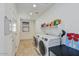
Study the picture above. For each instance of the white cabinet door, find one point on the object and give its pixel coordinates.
(13, 45)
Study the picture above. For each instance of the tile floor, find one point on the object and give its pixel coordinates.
(27, 48)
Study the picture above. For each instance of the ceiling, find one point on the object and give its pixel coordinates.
(28, 9)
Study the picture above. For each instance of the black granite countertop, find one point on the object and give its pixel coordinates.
(64, 50)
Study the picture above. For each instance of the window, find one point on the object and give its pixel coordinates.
(25, 26)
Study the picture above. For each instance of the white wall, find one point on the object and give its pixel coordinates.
(30, 34)
(69, 13)
(12, 40)
(26, 35)
(2, 40)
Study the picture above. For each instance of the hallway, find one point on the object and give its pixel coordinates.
(27, 48)
(21, 22)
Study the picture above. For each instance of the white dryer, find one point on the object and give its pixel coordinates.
(37, 38)
(47, 41)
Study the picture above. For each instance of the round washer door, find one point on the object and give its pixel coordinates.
(42, 48)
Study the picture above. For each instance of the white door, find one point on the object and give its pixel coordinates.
(13, 44)
(14, 34)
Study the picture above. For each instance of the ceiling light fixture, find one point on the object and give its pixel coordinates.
(34, 5)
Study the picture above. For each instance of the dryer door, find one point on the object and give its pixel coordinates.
(42, 48)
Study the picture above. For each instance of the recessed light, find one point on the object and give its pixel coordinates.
(34, 5)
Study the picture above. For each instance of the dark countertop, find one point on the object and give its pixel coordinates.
(64, 50)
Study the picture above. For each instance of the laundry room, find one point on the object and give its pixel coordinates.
(63, 17)
(39, 29)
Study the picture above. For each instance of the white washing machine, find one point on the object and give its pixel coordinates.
(47, 41)
(37, 38)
